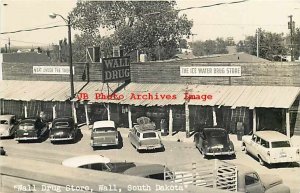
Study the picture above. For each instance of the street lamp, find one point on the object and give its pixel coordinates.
(68, 22)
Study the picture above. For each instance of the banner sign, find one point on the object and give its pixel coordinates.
(116, 69)
(52, 70)
(211, 71)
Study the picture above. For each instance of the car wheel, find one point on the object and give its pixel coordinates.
(261, 162)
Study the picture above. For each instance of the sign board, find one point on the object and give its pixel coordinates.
(52, 70)
(210, 71)
(116, 69)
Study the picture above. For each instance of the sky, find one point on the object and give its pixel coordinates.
(235, 20)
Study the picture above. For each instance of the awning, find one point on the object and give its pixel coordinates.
(145, 94)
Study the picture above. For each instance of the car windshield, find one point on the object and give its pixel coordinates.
(216, 134)
(61, 124)
(149, 135)
(105, 129)
(4, 122)
(26, 126)
(278, 144)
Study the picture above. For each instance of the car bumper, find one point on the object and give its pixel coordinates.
(93, 144)
(282, 160)
(150, 147)
(25, 138)
(220, 153)
(61, 139)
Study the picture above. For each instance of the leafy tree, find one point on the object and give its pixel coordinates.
(270, 44)
(209, 47)
(143, 25)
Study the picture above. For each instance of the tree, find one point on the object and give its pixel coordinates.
(270, 44)
(142, 25)
(209, 47)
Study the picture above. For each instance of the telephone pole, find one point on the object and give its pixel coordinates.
(291, 25)
(257, 42)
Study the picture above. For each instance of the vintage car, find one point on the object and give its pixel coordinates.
(213, 142)
(63, 129)
(31, 129)
(97, 162)
(271, 147)
(8, 125)
(250, 181)
(145, 138)
(104, 133)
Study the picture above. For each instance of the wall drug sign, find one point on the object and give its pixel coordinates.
(116, 69)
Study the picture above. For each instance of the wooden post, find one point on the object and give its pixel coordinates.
(25, 111)
(287, 121)
(53, 112)
(214, 116)
(129, 117)
(254, 120)
(108, 111)
(170, 121)
(187, 119)
(86, 114)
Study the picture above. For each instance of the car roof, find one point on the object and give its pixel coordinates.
(99, 124)
(271, 135)
(6, 117)
(145, 170)
(78, 161)
(144, 129)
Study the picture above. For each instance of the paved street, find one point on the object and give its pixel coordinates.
(175, 153)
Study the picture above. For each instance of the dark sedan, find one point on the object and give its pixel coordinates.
(63, 129)
(31, 129)
(213, 142)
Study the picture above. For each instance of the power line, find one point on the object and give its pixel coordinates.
(12, 40)
(33, 29)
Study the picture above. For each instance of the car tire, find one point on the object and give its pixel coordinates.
(261, 162)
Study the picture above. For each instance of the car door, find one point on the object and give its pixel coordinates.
(250, 146)
(253, 183)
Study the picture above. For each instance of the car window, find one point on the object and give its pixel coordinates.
(61, 124)
(251, 178)
(149, 135)
(138, 134)
(216, 134)
(258, 140)
(254, 138)
(4, 122)
(264, 143)
(277, 144)
(104, 129)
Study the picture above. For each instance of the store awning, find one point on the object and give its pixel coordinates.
(144, 94)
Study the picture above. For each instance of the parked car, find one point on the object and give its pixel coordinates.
(145, 139)
(31, 129)
(8, 125)
(213, 142)
(104, 133)
(97, 162)
(271, 147)
(251, 182)
(63, 129)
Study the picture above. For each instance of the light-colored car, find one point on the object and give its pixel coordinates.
(271, 147)
(104, 133)
(7, 125)
(145, 139)
(97, 162)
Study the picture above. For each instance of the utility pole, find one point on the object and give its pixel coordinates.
(257, 42)
(291, 25)
(9, 45)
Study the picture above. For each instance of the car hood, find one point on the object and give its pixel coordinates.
(270, 181)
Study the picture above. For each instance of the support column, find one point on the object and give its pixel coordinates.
(170, 121)
(53, 112)
(108, 111)
(129, 117)
(187, 119)
(25, 111)
(287, 121)
(74, 114)
(214, 116)
(87, 120)
(254, 120)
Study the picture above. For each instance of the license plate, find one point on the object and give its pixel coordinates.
(282, 155)
(218, 146)
(25, 134)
